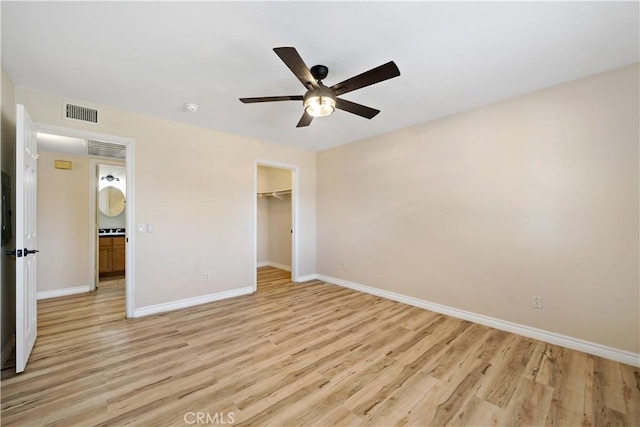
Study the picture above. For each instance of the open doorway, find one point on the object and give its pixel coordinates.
(111, 223)
(276, 217)
(83, 152)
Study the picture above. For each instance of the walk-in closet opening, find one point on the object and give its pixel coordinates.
(275, 215)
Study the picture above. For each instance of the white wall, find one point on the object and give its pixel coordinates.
(537, 195)
(64, 223)
(197, 186)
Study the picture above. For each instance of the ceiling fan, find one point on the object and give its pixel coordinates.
(320, 100)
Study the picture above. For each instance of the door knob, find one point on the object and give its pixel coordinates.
(30, 251)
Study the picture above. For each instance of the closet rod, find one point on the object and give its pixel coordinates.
(275, 193)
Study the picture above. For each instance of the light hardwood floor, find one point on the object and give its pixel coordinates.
(305, 354)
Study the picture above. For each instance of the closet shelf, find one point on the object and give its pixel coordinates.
(277, 194)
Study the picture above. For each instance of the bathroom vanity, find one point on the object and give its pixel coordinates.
(111, 252)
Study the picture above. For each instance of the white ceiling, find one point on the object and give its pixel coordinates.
(152, 57)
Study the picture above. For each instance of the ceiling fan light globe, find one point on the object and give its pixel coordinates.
(319, 106)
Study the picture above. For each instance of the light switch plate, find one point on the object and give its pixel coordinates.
(140, 227)
(151, 227)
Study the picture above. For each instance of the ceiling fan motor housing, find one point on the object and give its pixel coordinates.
(319, 72)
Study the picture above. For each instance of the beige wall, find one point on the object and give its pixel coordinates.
(279, 179)
(280, 230)
(280, 217)
(64, 223)
(263, 179)
(263, 230)
(537, 195)
(263, 215)
(8, 137)
(197, 186)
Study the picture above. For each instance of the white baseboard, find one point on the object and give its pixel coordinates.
(278, 265)
(306, 278)
(273, 264)
(6, 351)
(615, 354)
(190, 302)
(62, 292)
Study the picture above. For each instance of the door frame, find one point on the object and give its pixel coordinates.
(129, 208)
(94, 166)
(295, 241)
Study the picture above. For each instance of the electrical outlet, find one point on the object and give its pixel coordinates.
(207, 276)
(536, 301)
(344, 265)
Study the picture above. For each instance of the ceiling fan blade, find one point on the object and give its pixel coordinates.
(292, 59)
(305, 120)
(358, 109)
(272, 99)
(373, 76)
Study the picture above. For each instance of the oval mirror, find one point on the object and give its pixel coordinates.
(111, 201)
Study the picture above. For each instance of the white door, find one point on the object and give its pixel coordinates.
(26, 237)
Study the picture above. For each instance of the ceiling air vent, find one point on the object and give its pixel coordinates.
(77, 112)
(106, 149)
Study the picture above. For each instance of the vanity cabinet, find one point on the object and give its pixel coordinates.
(111, 255)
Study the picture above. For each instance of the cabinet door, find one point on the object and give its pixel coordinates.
(118, 254)
(105, 264)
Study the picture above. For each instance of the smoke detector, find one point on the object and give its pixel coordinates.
(192, 108)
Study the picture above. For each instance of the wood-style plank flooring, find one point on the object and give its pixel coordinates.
(302, 354)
